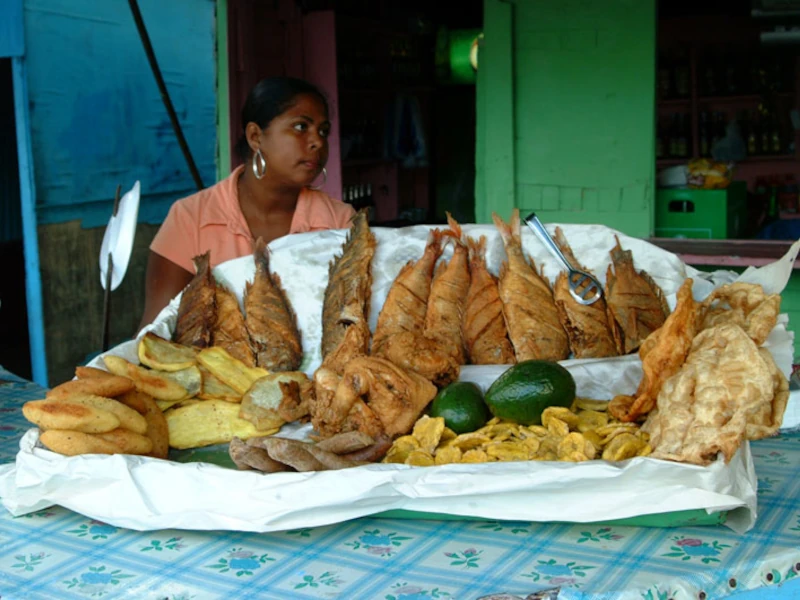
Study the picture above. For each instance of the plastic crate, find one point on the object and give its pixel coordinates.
(703, 214)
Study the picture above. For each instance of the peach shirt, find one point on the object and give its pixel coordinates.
(212, 220)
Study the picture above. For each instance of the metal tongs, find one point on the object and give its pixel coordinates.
(584, 287)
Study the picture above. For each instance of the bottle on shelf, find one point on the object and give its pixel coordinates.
(681, 74)
(718, 129)
(731, 77)
(704, 136)
(765, 141)
(661, 142)
(664, 77)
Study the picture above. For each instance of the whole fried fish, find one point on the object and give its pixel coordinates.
(406, 303)
(485, 332)
(636, 305)
(446, 300)
(348, 293)
(529, 309)
(586, 325)
(270, 319)
(230, 331)
(198, 307)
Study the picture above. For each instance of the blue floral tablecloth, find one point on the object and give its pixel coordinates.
(55, 553)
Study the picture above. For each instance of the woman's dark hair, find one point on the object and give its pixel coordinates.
(269, 98)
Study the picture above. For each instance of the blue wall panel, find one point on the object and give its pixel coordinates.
(97, 118)
(11, 31)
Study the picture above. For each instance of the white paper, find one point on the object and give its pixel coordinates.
(143, 493)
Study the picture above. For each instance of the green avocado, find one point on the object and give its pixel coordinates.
(523, 392)
(461, 406)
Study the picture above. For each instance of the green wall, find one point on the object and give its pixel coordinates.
(565, 106)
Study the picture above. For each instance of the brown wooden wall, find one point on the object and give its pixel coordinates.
(73, 297)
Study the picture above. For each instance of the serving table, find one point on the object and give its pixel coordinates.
(56, 553)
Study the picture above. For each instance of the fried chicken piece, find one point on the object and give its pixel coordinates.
(529, 308)
(422, 355)
(230, 331)
(636, 305)
(197, 311)
(586, 325)
(708, 405)
(374, 396)
(270, 319)
(745, 304)
(662, 353)
(446, 300)
(485, 332)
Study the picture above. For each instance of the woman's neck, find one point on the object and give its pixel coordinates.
(267, 207)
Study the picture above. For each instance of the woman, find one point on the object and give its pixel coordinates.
(284, 147)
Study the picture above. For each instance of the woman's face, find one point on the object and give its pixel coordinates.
(295, 144)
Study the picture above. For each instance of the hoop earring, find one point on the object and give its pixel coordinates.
(324, 181)
(259, 164)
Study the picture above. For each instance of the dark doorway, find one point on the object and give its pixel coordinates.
(14, 343)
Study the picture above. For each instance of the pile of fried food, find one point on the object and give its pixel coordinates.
(580, 433)
(99, 413)
(231, 373)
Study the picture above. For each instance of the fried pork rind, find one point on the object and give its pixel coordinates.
(705, 408)
(768, 419)
(746, 305)
(662, 354)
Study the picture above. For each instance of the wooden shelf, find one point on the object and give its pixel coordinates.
(769, 158)
(366, 162)
(669, 162)
(744, 98)
(675, 102)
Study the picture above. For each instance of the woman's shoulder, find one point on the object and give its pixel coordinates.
(210, 204)
(322, 211)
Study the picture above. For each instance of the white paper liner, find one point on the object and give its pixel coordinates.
(145, 494)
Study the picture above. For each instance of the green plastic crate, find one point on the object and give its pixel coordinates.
(703, 214)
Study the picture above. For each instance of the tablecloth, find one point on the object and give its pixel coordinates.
(55, 553)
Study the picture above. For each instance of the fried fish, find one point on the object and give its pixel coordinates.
(230, 331)
(197, 311)
(485, 332)
(529, 308)
(446, 300)
(636, 305)
(347, 295)
(586, 325)
(270, 320)
(406, 303)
